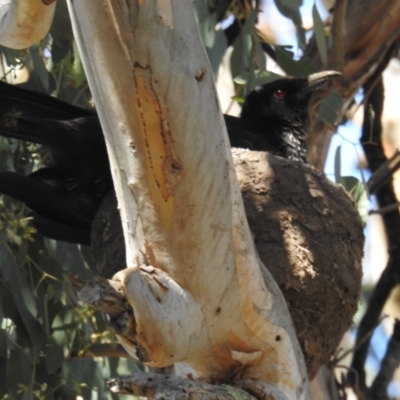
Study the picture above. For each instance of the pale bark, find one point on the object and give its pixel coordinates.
(24, 22)
(200, 298)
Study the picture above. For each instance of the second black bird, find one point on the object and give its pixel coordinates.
(65, 195)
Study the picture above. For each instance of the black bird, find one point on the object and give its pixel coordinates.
(275, 116)
(65, 195)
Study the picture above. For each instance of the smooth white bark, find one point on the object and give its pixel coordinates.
(202, 299)
(24, 22)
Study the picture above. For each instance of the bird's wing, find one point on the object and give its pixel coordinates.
(38, 105)
(18, 106)
(248, 135)
(56, 231)
(42, 199)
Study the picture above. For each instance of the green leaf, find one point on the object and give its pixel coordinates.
(54, 356)
(261, 57)
(39, 66)
(338, 163)
(19, 370)
(329, 108)
(26, 306)
(364, 182)
(359, 194)
(319, 31)
(263, 77)
(3, 362)
(216, 52)
(259, 77)
(61, 32)
(291, 9)
(7, 262)
(292, 67)
(214, 40)
(249, 25)
(69, 256)
(241, 54)
(239, 99)
(207, 29)
(14, 58)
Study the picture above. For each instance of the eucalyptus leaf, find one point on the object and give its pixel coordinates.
(22, 296)
(239, 99)
(40, 67)
(291, 10)
(338, 163)
(54, 356)
(259, 77)
(249, 25)
(241, 54)
(330, 107)
(261, 57)
(7, 261)
(216, 52)
(61, 32)
(19, 370)
(358, 192)
(319, 32)
(207, 30)
(292, 67)
(69, 256)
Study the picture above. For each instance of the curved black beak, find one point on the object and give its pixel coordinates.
(314, 81)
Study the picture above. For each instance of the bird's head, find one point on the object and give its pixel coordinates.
(284, 99)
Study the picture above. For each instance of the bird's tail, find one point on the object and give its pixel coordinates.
(18, 106)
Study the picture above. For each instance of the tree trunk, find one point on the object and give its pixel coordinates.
(194, 283)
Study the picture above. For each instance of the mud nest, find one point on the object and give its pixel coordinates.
(307, 233)
(310, 237)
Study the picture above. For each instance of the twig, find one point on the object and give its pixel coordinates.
(157, 386)
(386, 209)
(337, 359)
(100, 350)
(387, 281)
(372, 129)
(384, 173)
(103, 295)
(390, 362)
(107, 296)
(338, 29)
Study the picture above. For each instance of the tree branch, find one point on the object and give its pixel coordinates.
(384, 173)
(157, 386)
(368, 47)
(100, 350)
(390, 362)
(24, 22)
(338, 31)
(371, 141)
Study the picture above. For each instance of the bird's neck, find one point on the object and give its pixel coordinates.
(293, 143)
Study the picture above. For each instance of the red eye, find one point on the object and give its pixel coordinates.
(279, 94)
